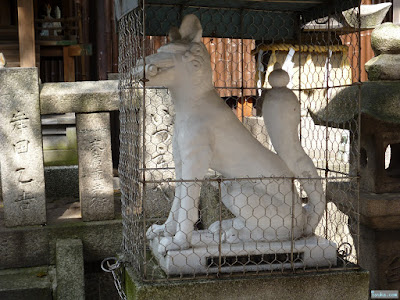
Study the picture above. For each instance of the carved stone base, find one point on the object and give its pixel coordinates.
(203, 257)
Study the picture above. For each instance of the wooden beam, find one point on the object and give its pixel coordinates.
(26, 34)
(80, 50)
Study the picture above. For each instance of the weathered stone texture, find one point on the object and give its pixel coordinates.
(62, 181)
(70, 271)
(379, 99)
(35, 246)
(85, 96)
(334, 285)
(159, 123)
(21, 148)
(384, 67)
(95, 166)
(26, 283)
(386, 39)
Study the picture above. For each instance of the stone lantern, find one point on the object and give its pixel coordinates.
(378, 166)
(380, 137)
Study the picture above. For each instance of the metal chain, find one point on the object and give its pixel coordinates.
(112, 265)
(344, 249)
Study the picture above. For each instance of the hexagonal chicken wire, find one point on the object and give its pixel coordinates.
(244, 39)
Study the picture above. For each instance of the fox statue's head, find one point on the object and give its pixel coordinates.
(183, 62)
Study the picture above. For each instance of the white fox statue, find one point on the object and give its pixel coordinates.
(208, 135)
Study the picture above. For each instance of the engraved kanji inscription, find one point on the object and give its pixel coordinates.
(96, 146)
(23, 178)
(19, 121)
(24, 200)
(21, 146)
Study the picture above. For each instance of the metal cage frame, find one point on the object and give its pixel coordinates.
(138, 176)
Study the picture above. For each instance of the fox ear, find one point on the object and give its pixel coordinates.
(174, 34)
(191, 29)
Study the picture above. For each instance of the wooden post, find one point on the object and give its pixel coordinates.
(69, 65)
(26, 33)
(101, 51)
(69, 54)
(396, 11)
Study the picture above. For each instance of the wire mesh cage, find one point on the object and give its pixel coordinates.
(255, 204)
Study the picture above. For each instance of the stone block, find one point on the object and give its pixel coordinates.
(85, 96)
(26, 283)
(23, 247)
(70, 270)
(95, 166)
(384, 67)
(368, 260)
(35, 246)
(380, 211)
(61, 181)
(158, 158)
(386, 39)
(113, 76)
(158, 133)
(328, 286)
(21, 148)
(377, 211)
(369, 17)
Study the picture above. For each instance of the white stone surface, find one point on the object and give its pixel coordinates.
(21, 149)
(96, 190)
(208, 135)
(281, 111)
(367, 16)
(316, 252)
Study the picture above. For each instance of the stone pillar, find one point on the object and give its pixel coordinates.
(21, 148)
(70, 270)
(95, 166)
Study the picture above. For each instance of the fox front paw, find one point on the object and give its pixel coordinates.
(154, 231)
(177, 242)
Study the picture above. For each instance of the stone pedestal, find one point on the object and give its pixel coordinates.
(328, 286)
(95, 166)
(204, 256)
(21, 148)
